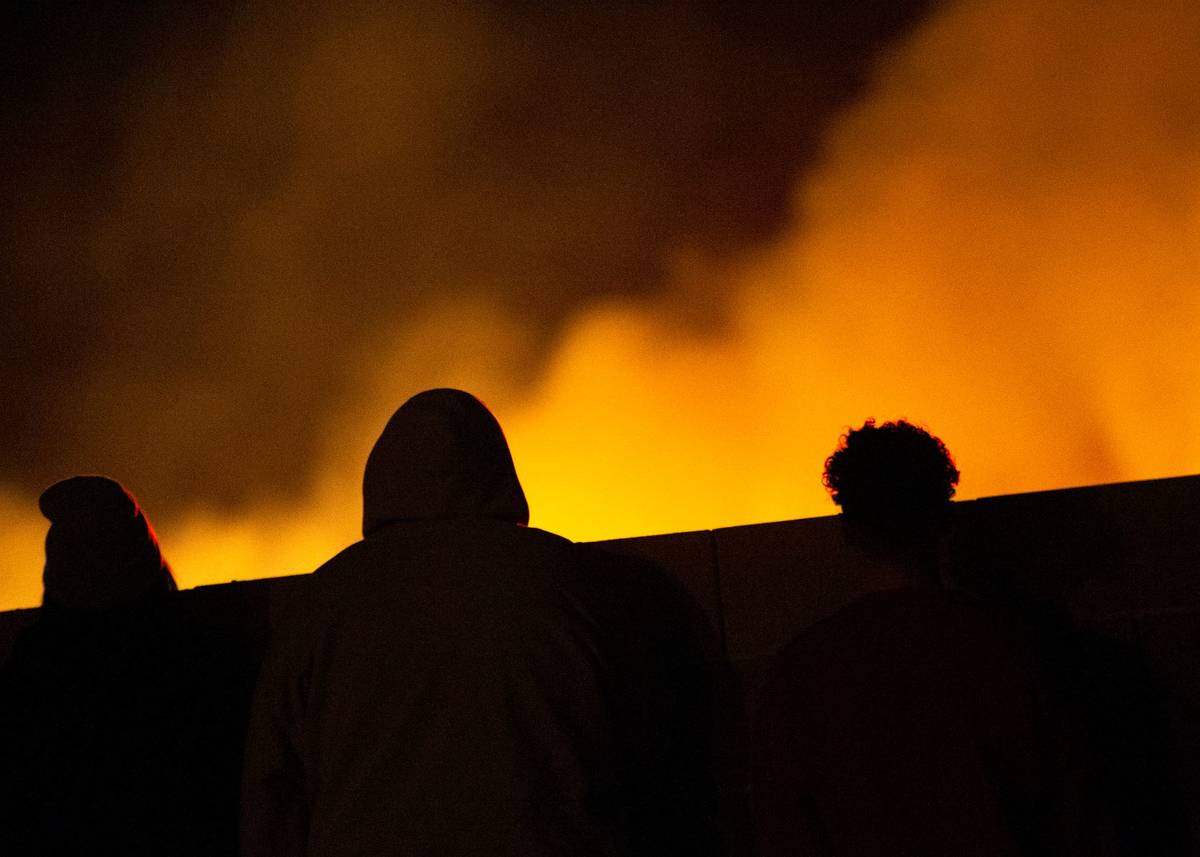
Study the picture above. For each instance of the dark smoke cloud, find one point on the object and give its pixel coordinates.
(214, 214)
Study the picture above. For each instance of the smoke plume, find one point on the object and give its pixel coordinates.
(585, 219)
(1002, 242)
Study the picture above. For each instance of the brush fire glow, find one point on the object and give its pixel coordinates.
(1001, 241)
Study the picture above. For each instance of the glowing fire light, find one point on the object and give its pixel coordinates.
(1003, 243)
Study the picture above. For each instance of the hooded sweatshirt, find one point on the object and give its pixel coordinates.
(459, 683)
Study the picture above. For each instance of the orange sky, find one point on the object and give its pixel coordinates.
(1002, 242)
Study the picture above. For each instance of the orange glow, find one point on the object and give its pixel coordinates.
(1002, 243)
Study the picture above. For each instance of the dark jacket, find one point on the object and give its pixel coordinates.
(912, 722)
(459, 683)
(119, 722)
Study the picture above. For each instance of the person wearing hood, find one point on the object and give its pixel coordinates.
(109, 741)
(458, 682)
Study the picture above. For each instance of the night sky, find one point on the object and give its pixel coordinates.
(213, 210)
(677, 248)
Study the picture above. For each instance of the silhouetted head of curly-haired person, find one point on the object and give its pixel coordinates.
(894, 483)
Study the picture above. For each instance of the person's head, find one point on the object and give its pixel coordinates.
(441, 455)
(101, 552)
(894, 483)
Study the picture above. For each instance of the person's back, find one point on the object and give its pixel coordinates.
(110, 741)
(905, 724)
(456, 682)
(909, 722)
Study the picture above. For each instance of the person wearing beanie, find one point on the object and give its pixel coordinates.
(101, 552)
(115, 715)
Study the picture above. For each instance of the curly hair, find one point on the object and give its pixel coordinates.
(895, 479)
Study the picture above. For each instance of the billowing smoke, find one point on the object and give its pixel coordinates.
(1003, 241)
(220, 222)
(581, 216)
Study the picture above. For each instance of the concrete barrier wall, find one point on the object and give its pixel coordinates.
(1123, 559)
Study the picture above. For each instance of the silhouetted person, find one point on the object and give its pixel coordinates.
(106, 740)
(459, 683)
(1130, 759)
(1129, 763)
(911, 721)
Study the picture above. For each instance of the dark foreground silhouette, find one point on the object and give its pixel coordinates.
(120, 725)
(911, 722)
(460, 683)
(122, 709)
(1129, 763)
